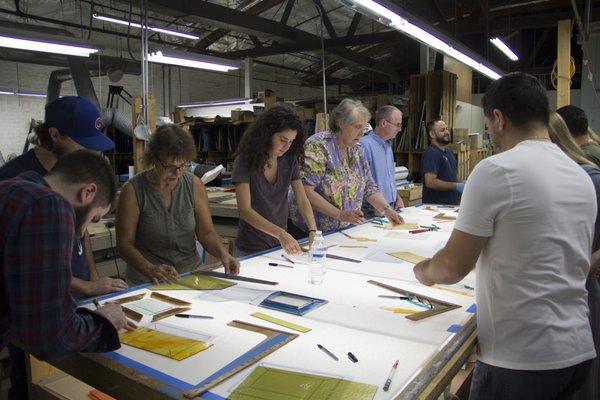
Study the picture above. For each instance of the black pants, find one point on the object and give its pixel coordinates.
(490, 382)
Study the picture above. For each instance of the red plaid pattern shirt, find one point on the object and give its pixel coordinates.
(36, 243)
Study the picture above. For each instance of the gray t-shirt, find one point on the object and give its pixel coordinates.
(269, 200)
(165, 236)
(592, 152)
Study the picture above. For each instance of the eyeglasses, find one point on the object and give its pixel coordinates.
(171, 168)
(398, 125)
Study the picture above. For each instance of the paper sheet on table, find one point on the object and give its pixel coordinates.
(196, 282)
(408, 256)
(148, 306)
(274, 384)
(172, 346)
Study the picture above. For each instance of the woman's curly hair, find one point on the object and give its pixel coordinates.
(256, 142)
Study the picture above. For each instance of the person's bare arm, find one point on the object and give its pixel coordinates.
(432, 182)
(452, 263)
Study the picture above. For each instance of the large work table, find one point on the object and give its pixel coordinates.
(355, 319)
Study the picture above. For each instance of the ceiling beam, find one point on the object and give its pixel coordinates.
(438, 14)
(326, 21)
(354, 24)
(216, 35)
(287, 11)
(239, 21)
(539, 42)
(508, 24)
(308, 45)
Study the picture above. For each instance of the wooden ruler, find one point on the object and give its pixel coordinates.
(275, 340)
(437, 306)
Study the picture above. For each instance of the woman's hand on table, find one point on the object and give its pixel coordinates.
(288, 243)
(354, 217)
(393, 216)
(163, 273)
(231, 264)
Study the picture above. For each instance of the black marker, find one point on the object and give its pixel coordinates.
(330, 354)
(194, 316)
(352, 357)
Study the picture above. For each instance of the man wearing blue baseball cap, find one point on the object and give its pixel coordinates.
(71, 123)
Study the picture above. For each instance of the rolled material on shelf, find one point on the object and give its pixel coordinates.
(400, 174)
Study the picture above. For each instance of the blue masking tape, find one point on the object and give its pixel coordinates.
(173, 386)
(454, 328)
(472, 309)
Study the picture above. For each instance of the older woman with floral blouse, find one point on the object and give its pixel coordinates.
(336, 174)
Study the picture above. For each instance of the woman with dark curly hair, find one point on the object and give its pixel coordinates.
(163, 210)
(266, 164)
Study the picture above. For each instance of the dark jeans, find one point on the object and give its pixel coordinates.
(497, 383)
(18, 374)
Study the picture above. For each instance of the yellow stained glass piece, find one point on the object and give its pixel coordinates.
(195, 282)
(172, 346)
(408, 256)
(276, 384)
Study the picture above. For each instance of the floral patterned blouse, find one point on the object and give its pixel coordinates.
(342, 181)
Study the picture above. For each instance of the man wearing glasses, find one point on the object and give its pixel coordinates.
(377, 146)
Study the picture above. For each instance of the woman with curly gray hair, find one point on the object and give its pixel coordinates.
(336, 175)
(163, 210)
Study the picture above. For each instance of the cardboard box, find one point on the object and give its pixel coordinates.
(271, 101)
(414, 193)
(475, 140)
(242, 116)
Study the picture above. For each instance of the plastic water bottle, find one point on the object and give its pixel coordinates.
(317, 259)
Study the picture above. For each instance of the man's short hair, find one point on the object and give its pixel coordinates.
(84, 166)
(575, 119)
(385, 113)
(520, 97)
(431, 124)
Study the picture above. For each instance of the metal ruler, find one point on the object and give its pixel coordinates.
(437, 306)
(275, 339)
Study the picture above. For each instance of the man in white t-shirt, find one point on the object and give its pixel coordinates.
(526, 222)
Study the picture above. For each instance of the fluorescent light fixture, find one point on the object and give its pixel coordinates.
(228, 102)
(504, 48)
(45, 46)
(392, 19)
(152, 28)
(192, 61)
(25, 94)
(30, 94)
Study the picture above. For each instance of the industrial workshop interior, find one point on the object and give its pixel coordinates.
(300, 199)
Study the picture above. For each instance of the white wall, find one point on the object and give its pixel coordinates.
(185, 86)
(469, 117)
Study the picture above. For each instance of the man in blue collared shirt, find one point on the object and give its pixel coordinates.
(377, 146)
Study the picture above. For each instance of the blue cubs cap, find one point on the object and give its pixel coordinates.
(80, 119)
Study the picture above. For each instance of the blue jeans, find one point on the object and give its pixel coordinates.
(497, 383)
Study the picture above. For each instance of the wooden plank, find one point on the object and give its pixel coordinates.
(138, 145)
(563, 89)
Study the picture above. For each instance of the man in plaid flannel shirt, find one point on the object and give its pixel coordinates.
(40, 219)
